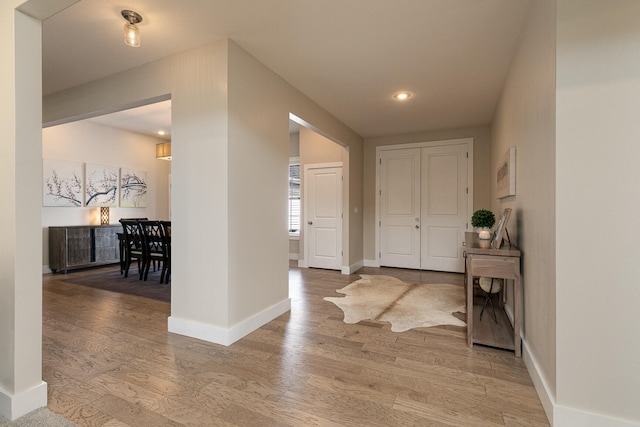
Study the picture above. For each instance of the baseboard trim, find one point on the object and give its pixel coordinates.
(13, 407)
(227, 336)
(294, 257)
(571, 417)
(353, 267)
(563, 416)
(539, 382)
(371, 263)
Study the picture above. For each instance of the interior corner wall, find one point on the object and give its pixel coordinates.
(481, 172)
(598, 183)
(525, 119)
(86, 142)
(259, 147)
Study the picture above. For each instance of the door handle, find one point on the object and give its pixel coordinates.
(310, 222)
(417, 226)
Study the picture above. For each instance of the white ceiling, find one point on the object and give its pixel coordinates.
(350, 56)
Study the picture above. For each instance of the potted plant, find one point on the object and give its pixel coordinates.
(483, 220)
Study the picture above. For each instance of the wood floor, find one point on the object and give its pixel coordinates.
(109, 361)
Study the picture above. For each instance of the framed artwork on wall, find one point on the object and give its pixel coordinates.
(506, 174)
(133, 188)
(62, 183)
(101, 185)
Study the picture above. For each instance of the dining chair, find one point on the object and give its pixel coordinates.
(123, 243)
(166, 226)
(132, 245)
(153, 248)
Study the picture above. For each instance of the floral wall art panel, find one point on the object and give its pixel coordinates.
(101, 185)
(133, 188)
(62, 183)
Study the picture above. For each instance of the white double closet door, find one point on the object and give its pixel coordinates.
(423, 206)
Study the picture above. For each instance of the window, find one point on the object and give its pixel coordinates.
(294, 197)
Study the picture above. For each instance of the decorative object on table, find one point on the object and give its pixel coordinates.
(506, 174)
(104, 215)
(502, 229)
(62, 183)
(483, 220)
(404, 305)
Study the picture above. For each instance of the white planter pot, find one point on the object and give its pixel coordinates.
(484, 233)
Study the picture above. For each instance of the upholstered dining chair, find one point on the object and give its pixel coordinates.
(132, 245)
(490, 286)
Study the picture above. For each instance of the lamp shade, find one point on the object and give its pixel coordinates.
(131, 35)
(163, 151)
(131, 31)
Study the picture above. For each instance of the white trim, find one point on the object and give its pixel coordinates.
(468, 141)
(371, 263)
(13, 407)
(563, 416)
(571, 417)
(353, 267)
(224, 336)
(293, 257)
(544, 392)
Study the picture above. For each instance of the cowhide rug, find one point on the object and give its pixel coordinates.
(404, 305)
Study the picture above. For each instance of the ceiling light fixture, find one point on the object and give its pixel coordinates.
(163, 151)
(131, 31)
(402, 96)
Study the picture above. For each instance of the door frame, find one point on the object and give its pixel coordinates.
(304, 262)
(445, 142)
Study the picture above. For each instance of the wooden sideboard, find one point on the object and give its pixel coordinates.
(83, 246)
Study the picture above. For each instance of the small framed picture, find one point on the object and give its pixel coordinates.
(501, 229)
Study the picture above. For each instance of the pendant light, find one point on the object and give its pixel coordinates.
(131, 31)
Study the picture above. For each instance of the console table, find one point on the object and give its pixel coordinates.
(83, 246)
(481, 259)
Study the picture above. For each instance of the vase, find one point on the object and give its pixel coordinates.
(484, 233)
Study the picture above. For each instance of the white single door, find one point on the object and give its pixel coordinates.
(323, 203)
(444, 207)
(400, 208)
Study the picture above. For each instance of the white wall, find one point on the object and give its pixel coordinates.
(21, 387)
(86, 142)
(525, 119)
(597, 209)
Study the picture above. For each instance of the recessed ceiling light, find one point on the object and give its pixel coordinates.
(161, 132)
(402, 96)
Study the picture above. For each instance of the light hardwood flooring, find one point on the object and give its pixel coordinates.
(109, 361)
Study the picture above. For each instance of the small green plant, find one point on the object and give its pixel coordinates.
(483, 218)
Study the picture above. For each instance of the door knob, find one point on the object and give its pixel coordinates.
(310, 222)
(417, 226)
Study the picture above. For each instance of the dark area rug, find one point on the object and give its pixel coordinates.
(110, 279)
